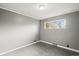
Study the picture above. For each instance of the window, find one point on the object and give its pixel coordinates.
(55, 24)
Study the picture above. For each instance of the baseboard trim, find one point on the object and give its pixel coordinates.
(17, 48)
(46, 42)
(71, 49)
(37, 42)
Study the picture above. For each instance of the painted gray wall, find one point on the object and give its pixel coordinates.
(63, 37)
(16, 30)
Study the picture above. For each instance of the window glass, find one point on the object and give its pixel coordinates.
(55, 24)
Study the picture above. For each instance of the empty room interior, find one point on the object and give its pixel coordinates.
(39, 29)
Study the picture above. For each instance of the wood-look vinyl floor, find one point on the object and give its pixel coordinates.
(42, 49)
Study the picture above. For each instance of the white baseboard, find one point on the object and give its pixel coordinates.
(18, 48)
(46, 42)
(60, 46)
(71, 49)
(37, 42)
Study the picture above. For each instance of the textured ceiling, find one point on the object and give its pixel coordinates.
(32, 10)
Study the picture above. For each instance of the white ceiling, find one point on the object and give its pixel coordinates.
(32, 10)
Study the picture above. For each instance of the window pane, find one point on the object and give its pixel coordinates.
(55, 24)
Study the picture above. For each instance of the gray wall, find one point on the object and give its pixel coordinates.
(16, 30)
(63, 37)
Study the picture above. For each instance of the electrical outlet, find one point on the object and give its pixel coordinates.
(67, 45)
